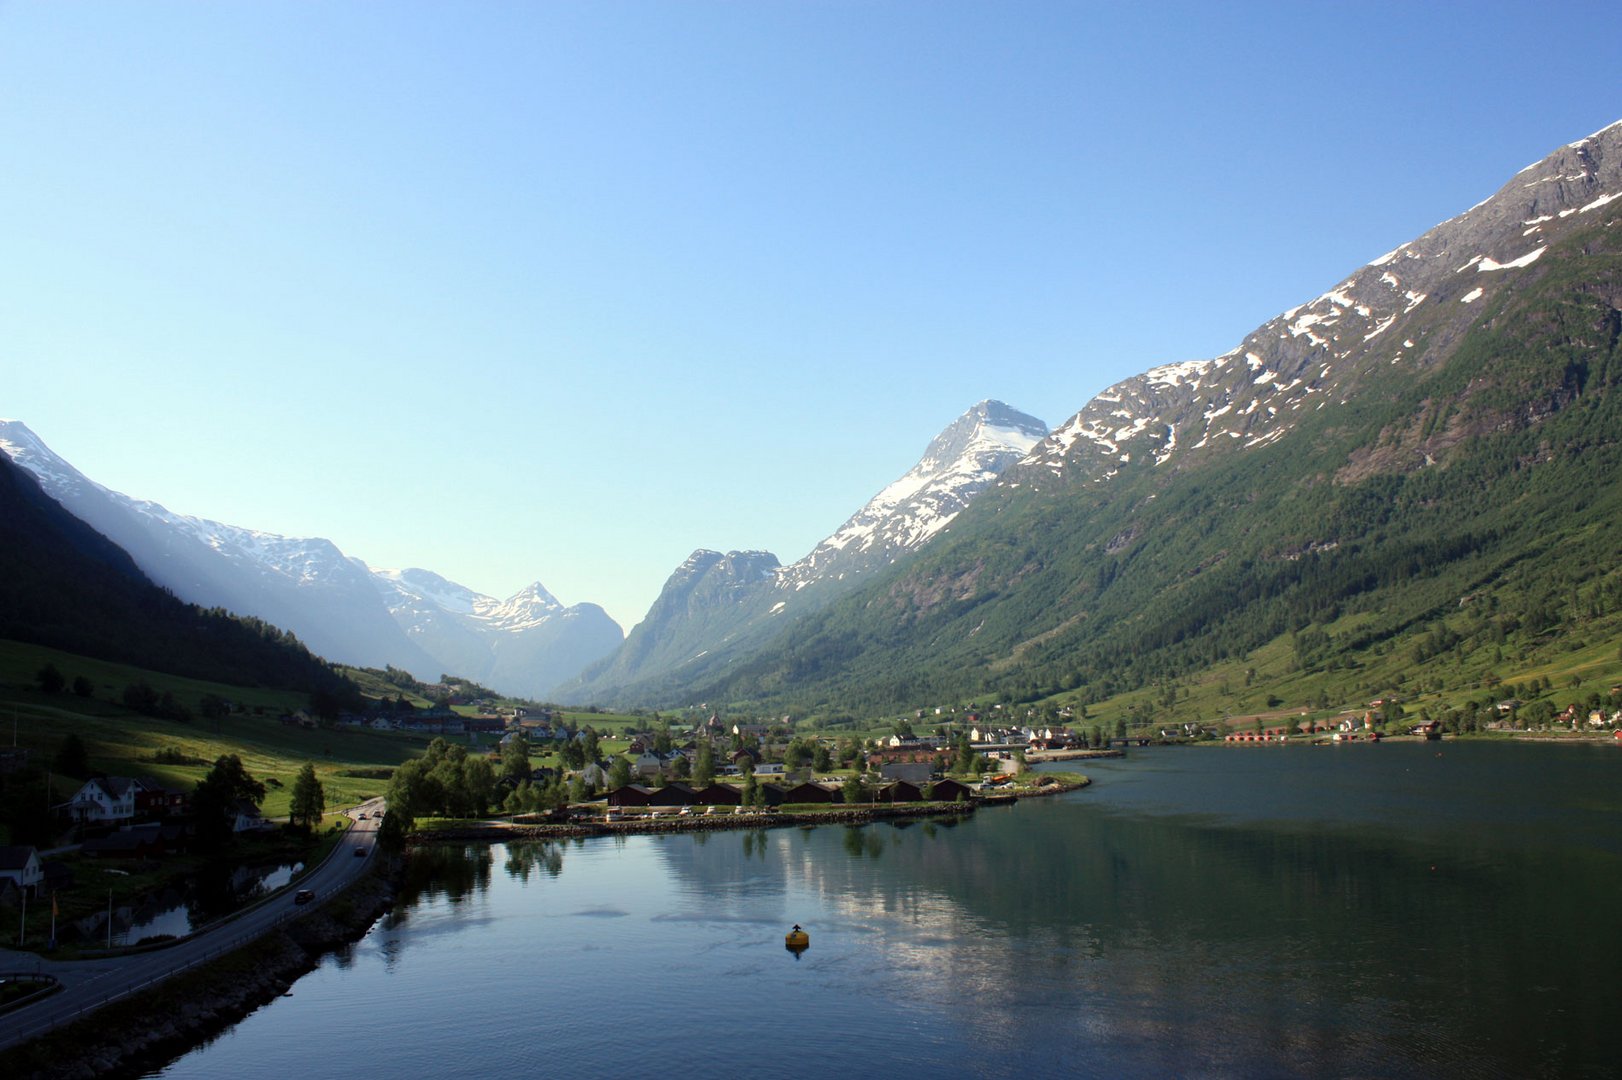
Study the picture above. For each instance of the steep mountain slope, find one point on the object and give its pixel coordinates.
(64, 585)
(715, 607)
(959, 463)
(305, 586)
(1443, 423)
(333, 603)
(523, 645)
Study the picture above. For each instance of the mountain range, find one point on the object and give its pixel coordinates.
(1426, 452)
(716, 607)
(530, 644)
(1409, 480)
(66, 586)
(336, 605)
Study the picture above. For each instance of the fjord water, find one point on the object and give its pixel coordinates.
(1394, 910)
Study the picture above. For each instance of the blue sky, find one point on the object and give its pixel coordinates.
(562, 291)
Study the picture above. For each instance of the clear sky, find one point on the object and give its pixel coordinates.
(561, 291)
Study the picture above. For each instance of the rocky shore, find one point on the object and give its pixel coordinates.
(133, 1037)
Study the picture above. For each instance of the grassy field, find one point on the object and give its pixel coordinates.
(177, 755)
(1269, 684)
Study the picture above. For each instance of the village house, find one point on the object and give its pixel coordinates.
(157, 802)
(105, 799)
(898, 791)
(949, 790)
(247, 818)
(915, 772)
(811, 793)
(20, 865)
(647, 763)
(484, 725)
(718, 795)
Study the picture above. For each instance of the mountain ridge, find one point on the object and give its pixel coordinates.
(1167, 524)
(335, 604)
(716, 606)
(67, 586)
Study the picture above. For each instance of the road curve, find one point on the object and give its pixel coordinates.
(87, 985)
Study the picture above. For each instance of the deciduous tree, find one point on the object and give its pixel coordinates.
(214, 803)
(308, 800)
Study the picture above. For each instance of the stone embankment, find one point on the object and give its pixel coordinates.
(136, 1036)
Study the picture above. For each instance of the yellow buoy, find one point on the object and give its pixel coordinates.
(797, 939)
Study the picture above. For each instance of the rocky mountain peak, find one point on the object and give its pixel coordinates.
(18, 442)
(957, 465)
(1406, 307)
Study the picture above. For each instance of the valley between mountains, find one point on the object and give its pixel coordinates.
(1407, 485)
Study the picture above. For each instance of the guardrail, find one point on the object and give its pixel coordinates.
(14, 1032)
(47, 985)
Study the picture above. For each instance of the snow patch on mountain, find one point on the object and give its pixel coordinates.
(343, 609)
(1309, 349)
(958, 464)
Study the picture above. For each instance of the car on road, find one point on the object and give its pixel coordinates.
(304, 896)
(360, 852)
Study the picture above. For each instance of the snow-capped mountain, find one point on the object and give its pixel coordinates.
(959, 464)
(335, 604)
(524, 645)
(1435, 429)
(713, 606)
(306, 586)
(1406, 308)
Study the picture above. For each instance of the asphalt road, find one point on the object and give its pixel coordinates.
(87, 985)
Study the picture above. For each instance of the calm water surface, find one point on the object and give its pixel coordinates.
(1393, 910)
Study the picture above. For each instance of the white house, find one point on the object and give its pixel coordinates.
(21, 864)
(105, 798)
(247, 818)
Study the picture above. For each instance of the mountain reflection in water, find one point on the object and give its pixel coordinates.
(1367, 911)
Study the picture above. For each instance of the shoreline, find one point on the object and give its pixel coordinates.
(134, 1037)
(131, 1038)
(495, 830)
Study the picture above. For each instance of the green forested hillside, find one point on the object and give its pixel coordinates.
(1437, 527)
